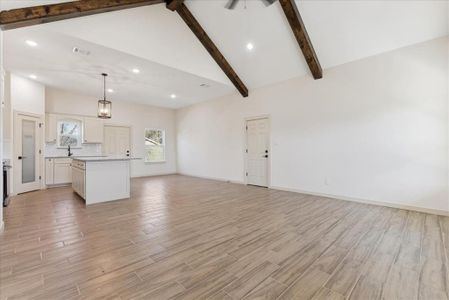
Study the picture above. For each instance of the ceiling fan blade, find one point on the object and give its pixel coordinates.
(231, 4)
(268, 2)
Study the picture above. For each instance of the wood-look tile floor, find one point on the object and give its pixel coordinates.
(180, 237)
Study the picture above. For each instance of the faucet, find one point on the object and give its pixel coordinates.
(69, 152)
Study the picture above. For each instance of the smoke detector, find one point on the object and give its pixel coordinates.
(78, 50)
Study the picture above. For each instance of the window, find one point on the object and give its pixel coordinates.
(69, 133)
(154, 145)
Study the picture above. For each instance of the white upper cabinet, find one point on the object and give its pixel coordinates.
(50, 128)
(92, 130)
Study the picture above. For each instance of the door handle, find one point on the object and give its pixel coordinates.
(21, 157)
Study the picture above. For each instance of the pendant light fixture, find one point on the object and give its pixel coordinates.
(104, 106)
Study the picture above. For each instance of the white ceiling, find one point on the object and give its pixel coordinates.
(173, 61)
(55, 64)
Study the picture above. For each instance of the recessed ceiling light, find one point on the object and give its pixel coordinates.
(78, 50)
(173, 96)
(250, 46)
(32, 76)
(110, 90)
(31, 43)
(136, 71)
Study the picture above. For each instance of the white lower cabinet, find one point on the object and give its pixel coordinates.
(79, 179)
(49, 171)
(58, 171)
(99, 180)
(62, 173)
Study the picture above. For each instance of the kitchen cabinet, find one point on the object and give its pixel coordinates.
(101, 179)
(79, 178)
(62, 173)
(51, 121)
(92, 130)
(58, 171)
(49, 171)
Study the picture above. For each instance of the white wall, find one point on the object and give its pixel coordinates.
(22, 95)
(136, 115)
(27, 95)
(7, 117)
(374, 130)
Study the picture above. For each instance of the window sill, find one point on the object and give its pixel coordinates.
(155, 162)
(68, 148)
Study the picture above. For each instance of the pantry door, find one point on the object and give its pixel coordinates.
(117, 140)
(27, 152)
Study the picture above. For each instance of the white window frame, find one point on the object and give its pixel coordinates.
(58, 131)
(147, 147)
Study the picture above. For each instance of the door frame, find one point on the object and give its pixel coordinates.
(40, 139)
(131, 150)
(245, 146)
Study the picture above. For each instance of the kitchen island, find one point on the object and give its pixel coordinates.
(101, 179)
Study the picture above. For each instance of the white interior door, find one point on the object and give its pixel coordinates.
(117, 141)
(27, 158)
(257, 135)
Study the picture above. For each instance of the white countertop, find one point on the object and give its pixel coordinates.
(103, 158)
(73, 156)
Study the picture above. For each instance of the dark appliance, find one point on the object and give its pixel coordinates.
(6, 166)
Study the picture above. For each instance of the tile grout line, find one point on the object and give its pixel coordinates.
(445, 250)
(371, 252)
(330, 275)
(396, 255)
(420, 256)
(342, 260)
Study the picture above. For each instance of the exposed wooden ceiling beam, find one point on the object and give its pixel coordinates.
(189, 19)
(173, 4)
(21, 17)
(299, 30)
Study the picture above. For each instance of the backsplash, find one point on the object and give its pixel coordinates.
(85, 150)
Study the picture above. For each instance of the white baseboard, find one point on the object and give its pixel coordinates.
(373, 202)
(212, 178)
(337, 197)
(50, 186)
(2, 226)
(154, 175)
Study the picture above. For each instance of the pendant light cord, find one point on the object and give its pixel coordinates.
(104, 86)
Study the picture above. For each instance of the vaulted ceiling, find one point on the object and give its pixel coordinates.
(173, 61)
